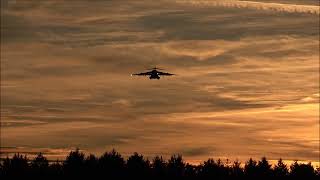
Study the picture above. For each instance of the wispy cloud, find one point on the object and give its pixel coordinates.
(280, 7)
(247, 77)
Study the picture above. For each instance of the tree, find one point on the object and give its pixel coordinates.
(40, 165)
(299, 171)
(318, 172)
(158, 167)
(264, 168)
(16, 167)
(91, 161)
(137, 166)
(91, 166)
(112, 164)
(280, 170)
(190, 171)
(74, 164)
(208, 169)
(236, 171)
(176, 166)
(250, 168)
(211, 169)
(55, 170)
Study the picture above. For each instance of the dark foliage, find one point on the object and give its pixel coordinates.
(280, 170)
(299, 171)
(158, 168)
(138, 167)
(111, 165)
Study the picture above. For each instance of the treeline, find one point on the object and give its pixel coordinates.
(111, 165)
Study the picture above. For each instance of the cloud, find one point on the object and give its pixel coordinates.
(50, 153)
(222, 23)
(245, 76)
(197, 151)
(23, 122)
(291, 8)
(314, 98)
(53, 22)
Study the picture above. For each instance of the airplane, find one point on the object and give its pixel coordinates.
(153, 74)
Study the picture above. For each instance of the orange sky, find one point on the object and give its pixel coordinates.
(247, 84)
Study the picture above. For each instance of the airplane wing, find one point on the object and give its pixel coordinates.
(165, 74)
(142, 74)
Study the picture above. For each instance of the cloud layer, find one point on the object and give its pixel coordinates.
(247, 84)
(280, 7)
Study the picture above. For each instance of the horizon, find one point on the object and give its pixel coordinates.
(225, 160)
(247, 82)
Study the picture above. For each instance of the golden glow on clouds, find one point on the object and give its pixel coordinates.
(200, 50)
(292, 8)
(247, 84)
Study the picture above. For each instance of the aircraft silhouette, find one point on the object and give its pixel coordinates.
(153, 74)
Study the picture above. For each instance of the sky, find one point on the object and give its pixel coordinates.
(247, 82)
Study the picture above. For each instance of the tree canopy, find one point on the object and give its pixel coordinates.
(112, 165)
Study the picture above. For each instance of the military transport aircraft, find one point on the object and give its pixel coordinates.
(153, 74)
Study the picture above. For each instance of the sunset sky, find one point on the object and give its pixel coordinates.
(247, 81)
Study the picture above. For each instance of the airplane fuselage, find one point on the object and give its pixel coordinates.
(154, 75)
